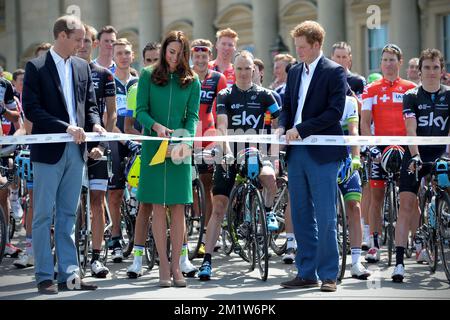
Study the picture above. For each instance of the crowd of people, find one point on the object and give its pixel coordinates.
(183, 91)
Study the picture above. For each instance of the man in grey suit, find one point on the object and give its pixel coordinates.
(58, 97)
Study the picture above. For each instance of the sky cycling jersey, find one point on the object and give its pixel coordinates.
(431, 111)
(104, 86)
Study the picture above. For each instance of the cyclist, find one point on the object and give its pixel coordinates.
(105, 42)
(105, 93)
(426, 111)
(226, 46)
(212, 82)
(11, 125)
(350, 185)
(240, 108)
(123, 57)
(382, 102)
(150, 53)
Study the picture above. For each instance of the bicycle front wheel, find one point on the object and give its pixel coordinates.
(443, 236)
(195, 218)
(342, 233)
(278, 243)
(260, 251)
(82, 237)
(3, 230)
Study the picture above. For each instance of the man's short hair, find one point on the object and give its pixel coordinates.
(107, 29)
(245, 54)
(259, 63)
(415, 60)
(431, 54)
(44, 46)
(341, 45)
(151, 46)
(394, 49)
(228, 32)
(311, 30)
(67, 24)
(286, 57)
(122, 42)
(17, 73)
(91, 30)
(202, 43)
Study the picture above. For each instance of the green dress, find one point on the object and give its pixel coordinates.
(175, 108)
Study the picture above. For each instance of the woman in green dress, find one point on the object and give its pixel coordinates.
(168, 101)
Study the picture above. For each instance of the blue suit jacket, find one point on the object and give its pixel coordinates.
(44, 104)
(323, 108)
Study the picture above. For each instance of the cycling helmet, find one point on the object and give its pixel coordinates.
(374, 77)
(391, 158)
(345, 170)
(249, 162)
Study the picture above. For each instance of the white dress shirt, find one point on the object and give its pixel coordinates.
(66, 77)
(307, 74)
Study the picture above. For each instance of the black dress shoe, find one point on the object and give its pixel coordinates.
(47, 287)
(84, 286)
(299, 283)
(328, 286)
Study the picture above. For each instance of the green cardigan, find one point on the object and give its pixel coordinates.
(175, 108)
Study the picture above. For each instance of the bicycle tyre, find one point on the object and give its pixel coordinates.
(150, 249)
(390, 227)
(3, 231)
(342, 234)
(82, 239)
(127, 224)
(281, 200)
(260, 248)
(197, 216)
(443, 233)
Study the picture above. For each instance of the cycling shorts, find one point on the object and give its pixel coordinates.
(118, 153)
(351, 189)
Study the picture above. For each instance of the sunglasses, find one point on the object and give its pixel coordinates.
(393, 47)
(200, 49)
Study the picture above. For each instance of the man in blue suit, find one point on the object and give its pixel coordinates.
(59, 97)
(313, 105)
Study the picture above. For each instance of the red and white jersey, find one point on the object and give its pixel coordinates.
(385, 99)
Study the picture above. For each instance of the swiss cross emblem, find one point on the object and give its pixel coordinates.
(383, 89)
(385, 98)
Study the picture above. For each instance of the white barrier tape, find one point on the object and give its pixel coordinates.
(262, 138)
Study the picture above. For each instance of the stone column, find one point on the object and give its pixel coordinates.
(13, 34)
(331, 15)
(149, 21)
(404, 29)
(204, 13)
(265, 30)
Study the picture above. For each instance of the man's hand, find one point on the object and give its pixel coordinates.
(99, 129)
(292, 135)
(356, 163)
(415, 163)
(78, 134)
(96, 153)
(161, 131)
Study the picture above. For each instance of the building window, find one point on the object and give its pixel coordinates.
(447, 41)
(377, 39)
(2, 16)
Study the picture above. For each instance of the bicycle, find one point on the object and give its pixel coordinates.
(246, 216)
(342, 234)
(435, 215)
(83, 230)
(277, 243)
(8, 173)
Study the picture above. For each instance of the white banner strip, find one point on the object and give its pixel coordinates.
(262, 138)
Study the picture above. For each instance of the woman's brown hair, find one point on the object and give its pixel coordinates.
(160, 74)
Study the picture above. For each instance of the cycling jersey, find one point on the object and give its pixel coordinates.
(213, 83)
(246, 110)
(111, 68)
(121, 102)
(431, 111)
(104, 86)
(229, 73)
(350, 113)
(7, 97)
(385, 100)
